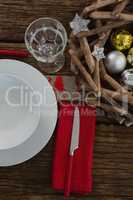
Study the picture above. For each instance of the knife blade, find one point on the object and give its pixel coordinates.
(73, 146)
(75, 132)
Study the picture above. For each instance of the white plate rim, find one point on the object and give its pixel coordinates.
(35, 143)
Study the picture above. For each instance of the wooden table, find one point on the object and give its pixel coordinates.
(113, 152)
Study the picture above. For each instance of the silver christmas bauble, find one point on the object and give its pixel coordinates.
(127, 77)
(116, 62)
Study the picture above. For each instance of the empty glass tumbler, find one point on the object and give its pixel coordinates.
(46, 39)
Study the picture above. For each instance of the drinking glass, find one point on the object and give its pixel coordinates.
(46, 39)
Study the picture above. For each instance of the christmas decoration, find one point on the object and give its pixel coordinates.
(79, 24)
(98, 53)
(115, 62)
(127, 77)
(121, 40)
(130, 57)
(84, 49)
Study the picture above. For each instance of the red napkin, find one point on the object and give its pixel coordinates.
(81, 181)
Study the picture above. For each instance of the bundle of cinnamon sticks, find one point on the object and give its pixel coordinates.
(94, 71)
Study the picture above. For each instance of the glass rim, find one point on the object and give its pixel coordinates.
(51, 19)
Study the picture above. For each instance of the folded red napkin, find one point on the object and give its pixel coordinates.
(81, 180)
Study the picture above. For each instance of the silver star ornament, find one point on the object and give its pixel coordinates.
(79, 24)
(98, 53)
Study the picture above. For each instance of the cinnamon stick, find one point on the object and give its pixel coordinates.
(105, 28)
(108, 15)
(97, 78)
(129, 121)
(98, 22)
(106, 107)
(97, 68)
(124, 97)
(128, 115)
(75, 48)
(97, 5)
(112, 82)
(93, 42)
(82, 69)
(114, 104)
(103, 37)
(87, 54)
(120, 7)
(116, 11)
(79, 54)
(109, 109)
(118, 118)
(73, 68)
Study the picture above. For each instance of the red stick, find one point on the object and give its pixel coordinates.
(16, 53)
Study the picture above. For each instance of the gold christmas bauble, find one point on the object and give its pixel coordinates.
(130, 57)
(121, 40)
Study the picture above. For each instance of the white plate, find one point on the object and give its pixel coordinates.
(18, 119)
(45, 108)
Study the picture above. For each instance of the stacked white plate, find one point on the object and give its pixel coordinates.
(28, 112)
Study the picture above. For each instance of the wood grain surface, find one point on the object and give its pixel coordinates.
(113, 152)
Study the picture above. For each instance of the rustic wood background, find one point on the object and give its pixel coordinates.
(113, 153)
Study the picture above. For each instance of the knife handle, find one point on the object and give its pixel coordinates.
(68, 177)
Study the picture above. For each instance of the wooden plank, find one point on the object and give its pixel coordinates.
(60, 197)
(16, 15)
(113, 152)
(113, 161)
